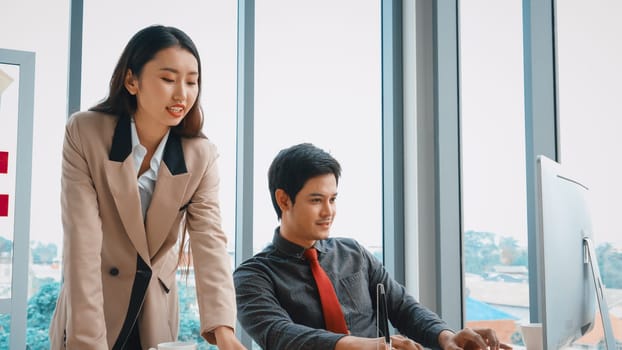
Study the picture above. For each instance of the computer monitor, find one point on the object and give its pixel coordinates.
(570, 286)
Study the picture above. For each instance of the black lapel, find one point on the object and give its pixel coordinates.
(137, 298)
(121, 140)
(174, 155)
(122, 147)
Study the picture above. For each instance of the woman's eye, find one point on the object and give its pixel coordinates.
(168, 80)
(192, 83)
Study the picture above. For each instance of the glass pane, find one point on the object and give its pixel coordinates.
(212, 25)
(493, 166)
(317, 79)
(9, 101)
(589, 56)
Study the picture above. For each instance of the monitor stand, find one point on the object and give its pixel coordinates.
(590, 255)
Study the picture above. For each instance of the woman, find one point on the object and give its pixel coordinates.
(137, 174)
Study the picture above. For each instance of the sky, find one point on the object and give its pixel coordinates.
(318, 78)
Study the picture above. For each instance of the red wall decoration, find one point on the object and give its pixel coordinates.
(4, 162)
(4, 205)
(4, 198)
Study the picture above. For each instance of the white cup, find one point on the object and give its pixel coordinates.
(177, 345)
(532, 335)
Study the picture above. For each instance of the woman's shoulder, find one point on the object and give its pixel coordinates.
(91, 119)
(94, 129)
(200, 146)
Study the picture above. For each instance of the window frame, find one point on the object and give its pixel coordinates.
(17, 305)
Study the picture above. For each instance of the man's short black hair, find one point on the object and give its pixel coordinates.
(293, 166)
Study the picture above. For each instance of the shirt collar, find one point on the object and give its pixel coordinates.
(156, 159)
(293, 249)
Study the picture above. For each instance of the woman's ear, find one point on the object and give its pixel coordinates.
(282, 199)
(130, 82)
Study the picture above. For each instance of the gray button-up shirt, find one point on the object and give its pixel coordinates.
(279, 306)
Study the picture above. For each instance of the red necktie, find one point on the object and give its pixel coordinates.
(333, 316)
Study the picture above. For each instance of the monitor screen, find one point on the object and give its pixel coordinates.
(566, 292)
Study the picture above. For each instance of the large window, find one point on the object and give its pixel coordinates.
(493, 166)
(317, 79)
(589, 75)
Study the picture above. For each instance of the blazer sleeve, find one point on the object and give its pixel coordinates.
(208, 242)
(85, 327)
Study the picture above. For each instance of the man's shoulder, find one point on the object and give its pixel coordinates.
(257, 260)
(351, 248)
(261, 268)
(341, 242)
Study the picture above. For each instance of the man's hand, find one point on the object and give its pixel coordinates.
(471, 339)
(350, 342)
(466, 339)
(398, 342)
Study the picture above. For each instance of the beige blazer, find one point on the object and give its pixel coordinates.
(119, 269)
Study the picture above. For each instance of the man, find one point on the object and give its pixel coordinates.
(279, 302)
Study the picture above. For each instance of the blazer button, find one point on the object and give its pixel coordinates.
(114, 271)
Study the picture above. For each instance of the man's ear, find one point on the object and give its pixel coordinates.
(130, 82)
(282, 199)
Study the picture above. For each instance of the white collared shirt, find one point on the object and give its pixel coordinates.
(147, 180)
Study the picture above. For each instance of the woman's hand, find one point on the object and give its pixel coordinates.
(226, 339)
